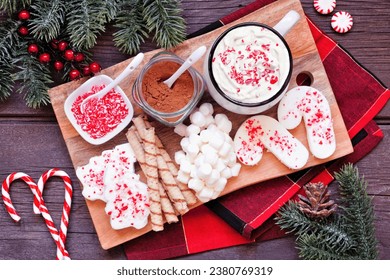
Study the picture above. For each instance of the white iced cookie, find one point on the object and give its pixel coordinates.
(312, 105)
(259, 132)
(91, 176)
(127, 202)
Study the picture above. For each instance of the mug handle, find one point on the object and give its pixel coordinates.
(287, 22)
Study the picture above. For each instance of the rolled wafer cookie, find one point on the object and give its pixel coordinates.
(146, 156)
(188, 194)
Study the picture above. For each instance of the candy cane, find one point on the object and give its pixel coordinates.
(5, 192)
(58, 236)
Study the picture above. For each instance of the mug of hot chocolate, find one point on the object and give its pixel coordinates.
(249, 66)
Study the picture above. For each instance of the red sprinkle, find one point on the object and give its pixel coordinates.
(101, 116)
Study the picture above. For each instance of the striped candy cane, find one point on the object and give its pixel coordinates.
(5, 191)
(40, 207)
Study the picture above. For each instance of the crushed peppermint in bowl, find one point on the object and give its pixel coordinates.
(102, 118)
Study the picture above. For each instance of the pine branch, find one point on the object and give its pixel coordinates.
(86, 20)
(163, 17)
(291, 218)
(8, 46)
(132, 30)
(48, 18)
(34, 78)
(312, 247)
(358, 211)
(11, 6)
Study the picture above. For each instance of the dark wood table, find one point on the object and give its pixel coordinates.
(31, 142)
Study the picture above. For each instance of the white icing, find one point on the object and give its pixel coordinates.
(260, 132)
(250, 64)
(311, 105)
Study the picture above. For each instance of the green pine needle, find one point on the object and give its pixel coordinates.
(349, 234)
(131, 28)
(312, 247)
(12, 6)
(163, 17)
(292, 219)
(34, 79)
(358, 211)
(47, 19)
(86, 19)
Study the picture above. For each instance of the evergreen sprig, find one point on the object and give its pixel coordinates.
(8, 40)
(349, 234)
(48, 18)
(163, 18)
(34, 79)
(11, 6)
(131, 27)
(358, 211)
(86, 19)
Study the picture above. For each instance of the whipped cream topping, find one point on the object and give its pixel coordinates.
(250, 64)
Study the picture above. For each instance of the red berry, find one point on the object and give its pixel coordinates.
(74, 74)
(78, 57)
(62, 45)
(24, 15)
(69, 55)
(44, 57)
(54, 44)
(33, 48)
(86, 71)
(94, 67)
(23, 30)
(58, 65)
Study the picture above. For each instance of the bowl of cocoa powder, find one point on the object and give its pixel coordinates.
(169, 106)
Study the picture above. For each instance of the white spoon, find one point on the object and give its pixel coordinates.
(130, 68)
(194, 57)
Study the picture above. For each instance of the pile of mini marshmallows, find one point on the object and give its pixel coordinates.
(207, 159)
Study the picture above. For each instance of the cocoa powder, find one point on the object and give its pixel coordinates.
(158, 95)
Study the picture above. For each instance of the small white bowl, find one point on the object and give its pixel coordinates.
(85, 87)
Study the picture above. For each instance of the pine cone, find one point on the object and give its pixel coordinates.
(316, 203)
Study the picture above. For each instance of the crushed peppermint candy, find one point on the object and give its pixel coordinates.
(101, 115)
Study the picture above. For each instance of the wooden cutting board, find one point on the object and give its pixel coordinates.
(306, 60)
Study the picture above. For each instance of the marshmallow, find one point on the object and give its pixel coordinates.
(196, 184)
(217, 141)
(192, 150)
(208, 120)
(195, 139)
(205, 135)
(198, 119)
(227, 173)
(205, 194)
(185, 166)
(221, 165)
(183, 177)
(235, 169)
(211, 158)
(180, 129)
(214, 176)
(184, 143)
(179, 156)
(206, 109)
(204, 171)
(220, 184)
(199, 160)
(225, 150)
(192, 129)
